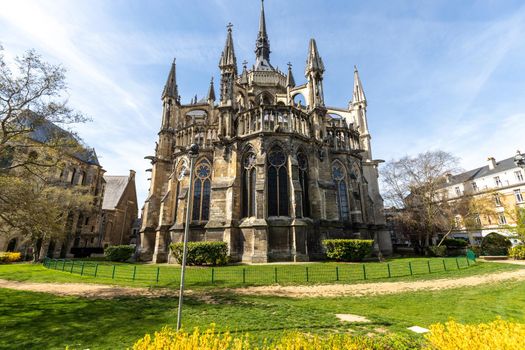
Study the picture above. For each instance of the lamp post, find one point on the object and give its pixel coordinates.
(519, 160)
(193, 152)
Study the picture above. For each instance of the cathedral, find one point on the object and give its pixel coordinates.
(278, 170)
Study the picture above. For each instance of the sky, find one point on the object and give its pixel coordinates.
(447, 75)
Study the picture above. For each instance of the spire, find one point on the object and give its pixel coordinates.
(228, 54)
(290, 81)
(262, 45)
(314, 61)
(170, 89)
(244, 74)
(359, 94)
(211, 91)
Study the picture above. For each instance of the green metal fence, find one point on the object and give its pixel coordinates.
(259, 274)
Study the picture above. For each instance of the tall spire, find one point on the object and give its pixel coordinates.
(262, 45)
(314, 63)
(358, 94)
(170, 89)
(290, 81)
(211, 92)
(228, 54)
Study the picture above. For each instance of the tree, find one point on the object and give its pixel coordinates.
(414, 185)
(33, 145)
(32, 99)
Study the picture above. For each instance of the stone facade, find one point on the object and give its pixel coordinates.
(119, 209)
(274, 176)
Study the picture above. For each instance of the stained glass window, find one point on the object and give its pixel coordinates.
(277, 183)
(339, 176)
(248, 185)
(303, 206)
(201, 191)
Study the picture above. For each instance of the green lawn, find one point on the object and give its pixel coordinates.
(242, 275)
(42, 321)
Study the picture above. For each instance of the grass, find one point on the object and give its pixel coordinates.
(232, 276)
(43, 321)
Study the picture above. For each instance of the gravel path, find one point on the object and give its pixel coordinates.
(333, 290)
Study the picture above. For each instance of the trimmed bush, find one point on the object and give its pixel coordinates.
(348, 249)
(202, 253)
(9, 257)
(517, 252)
(454, 243)
(211, 339)
(119, 252)
(499, 334)
(438, 251)
(495, 244)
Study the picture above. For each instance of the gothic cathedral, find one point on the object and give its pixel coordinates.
(278, 170)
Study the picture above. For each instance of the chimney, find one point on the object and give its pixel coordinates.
(492, 163)
(132, 174)
(448, 177)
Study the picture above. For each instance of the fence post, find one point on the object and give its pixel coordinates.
(444, 265)
(275, 274)
(82, 269)
(389, 272)
(134, 272)
(364, 272)
(158, 272)
(64, 265)
(212, 275)
(113, 273)
(72, 265)
(243, 275)
(428, 263)
(56, 263)
(337, 273)
(307, 276)
(96, 270)
(410, 267)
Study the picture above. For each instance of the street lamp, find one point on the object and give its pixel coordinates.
(193, 152)
(519, 160)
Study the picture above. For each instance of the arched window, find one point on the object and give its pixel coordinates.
(201, 191)
(303, 209)
(277, 183)
(11, 245)
(248, 185)
(339, 177)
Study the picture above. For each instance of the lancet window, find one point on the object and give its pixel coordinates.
(277, 178)
(339, 177)
(201, 191)
(248, 185)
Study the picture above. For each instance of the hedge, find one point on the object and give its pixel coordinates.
(438, 251)
(455, 243)
(348, 249)
(119, 252)
(202, 253)
(495, 244)
(517, 252)
(9, 257)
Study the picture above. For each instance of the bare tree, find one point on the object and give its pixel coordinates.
(413, 184)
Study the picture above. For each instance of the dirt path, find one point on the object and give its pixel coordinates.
(334, 290)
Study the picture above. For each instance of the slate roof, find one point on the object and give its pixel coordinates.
(115, 187)
(471, 175)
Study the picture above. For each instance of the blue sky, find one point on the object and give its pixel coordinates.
(444, 75)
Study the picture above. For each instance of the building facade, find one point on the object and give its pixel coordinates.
(119, 209)
(278, 170)
(502, 185)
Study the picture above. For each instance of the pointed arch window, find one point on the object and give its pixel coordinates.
(277, 178)
(303, 209)
(339, 177)
(248, 185)
(201, 191)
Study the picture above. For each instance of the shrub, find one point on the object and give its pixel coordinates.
(495, 244)
(202, 253)
(209, 339)
(499, 334)
(119, 252)
(517, 252)
(454, 243)
(348, 249)
(10, 257)
(435, 250)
